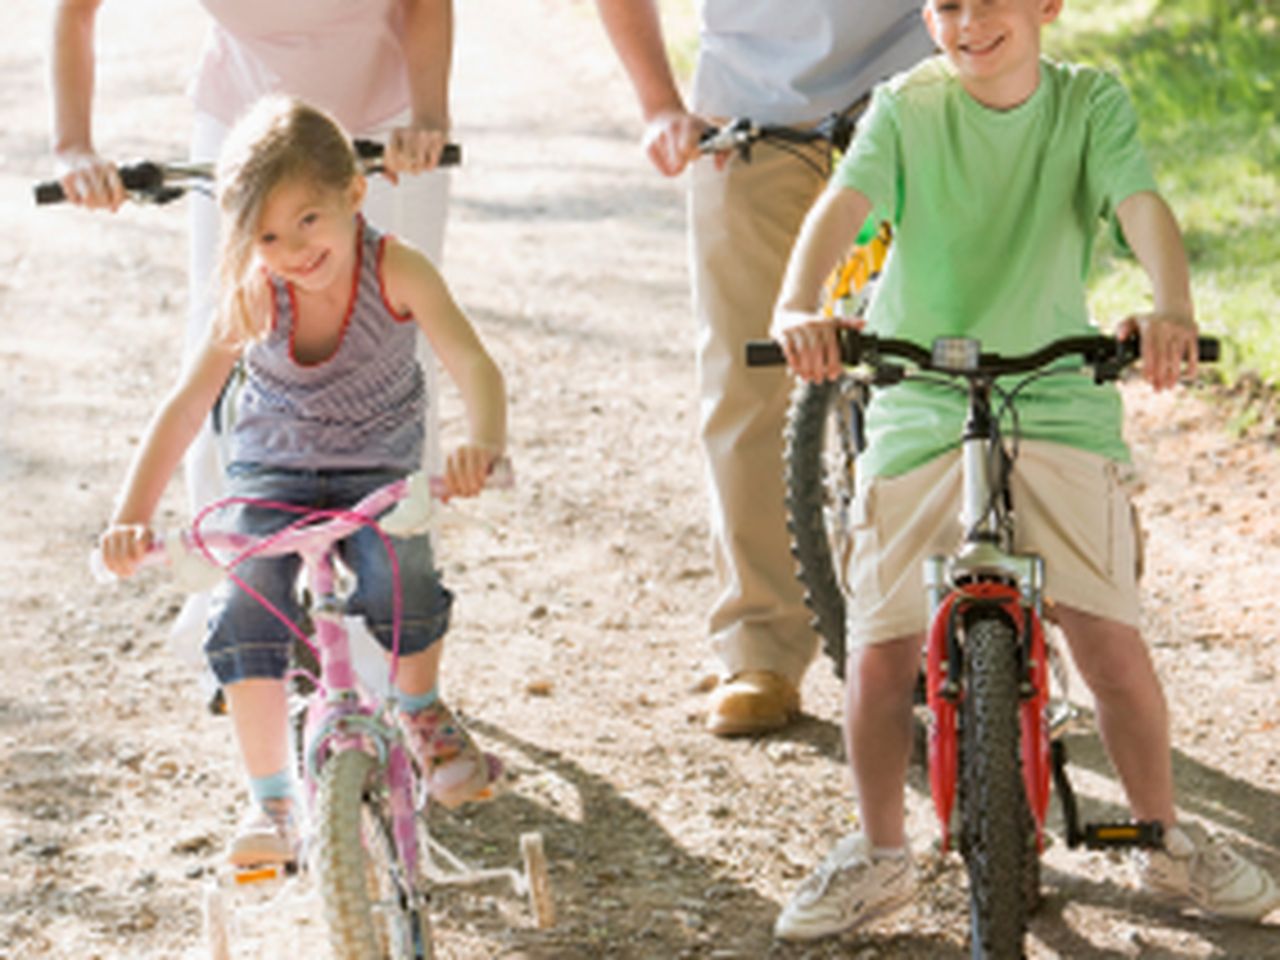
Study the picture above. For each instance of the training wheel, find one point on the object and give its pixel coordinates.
(537, 879)
(216, 932)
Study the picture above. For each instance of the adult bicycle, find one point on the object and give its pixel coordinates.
(995, 742)
(823, 432)
(369, 844)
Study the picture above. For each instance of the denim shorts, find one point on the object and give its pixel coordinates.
(246, 640)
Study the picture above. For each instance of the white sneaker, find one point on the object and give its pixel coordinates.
(268, 835)
(1206, 872)
(849, 888)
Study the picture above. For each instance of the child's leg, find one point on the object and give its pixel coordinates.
(878, 708)
(418, 674)
(259, 710)
(1132, 715)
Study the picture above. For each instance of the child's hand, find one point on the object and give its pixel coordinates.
(467, 469)
(123, 545)
(1169, 346)
(810, 344)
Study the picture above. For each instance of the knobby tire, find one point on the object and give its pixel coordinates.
(998, 836)
(819, 459)
(365, 896)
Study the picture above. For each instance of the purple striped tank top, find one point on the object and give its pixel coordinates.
(361, 408)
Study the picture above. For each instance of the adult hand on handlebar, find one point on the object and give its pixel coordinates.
(1169, 346)
(671, 140)
(88, 180)
(810, 343)
(413, 149)
(123, 545)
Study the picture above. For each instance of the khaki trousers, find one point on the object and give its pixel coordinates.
(743, 221)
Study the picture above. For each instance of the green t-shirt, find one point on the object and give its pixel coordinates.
(994, 215)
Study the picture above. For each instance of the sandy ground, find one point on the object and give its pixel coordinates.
(578, 649)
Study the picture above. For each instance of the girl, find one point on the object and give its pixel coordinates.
(320, 309)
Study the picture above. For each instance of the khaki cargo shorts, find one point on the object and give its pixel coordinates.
(1071, 507)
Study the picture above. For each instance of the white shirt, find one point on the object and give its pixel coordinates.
(341, 55)
(794, 61)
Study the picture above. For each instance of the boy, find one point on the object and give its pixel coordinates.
(994, 167)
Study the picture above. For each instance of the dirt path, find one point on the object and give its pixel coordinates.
(578, 647)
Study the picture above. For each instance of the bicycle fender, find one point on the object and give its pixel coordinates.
(943, 736)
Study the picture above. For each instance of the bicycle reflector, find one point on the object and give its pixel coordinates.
(956, 353)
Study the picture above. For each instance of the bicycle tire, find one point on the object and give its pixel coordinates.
(819, 454)
(217, 923)
(541, 901)
(1002, 862)
(366, 899)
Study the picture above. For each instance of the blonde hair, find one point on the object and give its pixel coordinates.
(280, 139)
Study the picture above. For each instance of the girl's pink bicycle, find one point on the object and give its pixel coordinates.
(369, 845)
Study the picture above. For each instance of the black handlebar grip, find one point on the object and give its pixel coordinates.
(764, 353)
(450, 155)
(1209, 349)
(142, 175)
(49, 192)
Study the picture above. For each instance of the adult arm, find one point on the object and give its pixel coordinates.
(415, 286)
(808, 339)
(86, 178)
(426, 41)
(671, 131)
(1169, 328)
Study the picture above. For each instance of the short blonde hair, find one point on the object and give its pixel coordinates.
(279, 139)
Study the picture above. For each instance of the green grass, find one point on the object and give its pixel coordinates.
(1203, 76)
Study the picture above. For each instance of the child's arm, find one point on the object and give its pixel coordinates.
(1169, 329)
(413, 285)
(170, 432)
(808, 340)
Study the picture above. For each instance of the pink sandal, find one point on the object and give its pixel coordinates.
(454, 768)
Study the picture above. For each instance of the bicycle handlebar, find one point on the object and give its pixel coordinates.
(1107, 355)
(741, 133)
(411, 514)
(162, 182)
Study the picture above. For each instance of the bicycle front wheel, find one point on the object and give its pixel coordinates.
(368, 899)
(998, 837)
(821, 445)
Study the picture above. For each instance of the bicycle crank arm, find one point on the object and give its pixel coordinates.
(1148, 834)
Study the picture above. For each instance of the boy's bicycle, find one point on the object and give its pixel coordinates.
(370, 847)
(823, 432)
(993, 744)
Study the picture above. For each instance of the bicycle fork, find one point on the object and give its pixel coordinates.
(344, 721)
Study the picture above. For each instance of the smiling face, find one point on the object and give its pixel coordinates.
(993, 44)
(307, 233)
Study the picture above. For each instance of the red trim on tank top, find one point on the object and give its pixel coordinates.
(351, 305)
(382, 285)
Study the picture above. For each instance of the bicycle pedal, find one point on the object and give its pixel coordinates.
(1102, 836)
(263, 873)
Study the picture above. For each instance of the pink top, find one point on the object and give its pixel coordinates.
(341, 55)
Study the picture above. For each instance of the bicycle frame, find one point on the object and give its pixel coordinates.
(986, 658)
(985, 572)
(341, 714)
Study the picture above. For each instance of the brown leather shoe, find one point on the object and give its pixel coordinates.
(754, 701)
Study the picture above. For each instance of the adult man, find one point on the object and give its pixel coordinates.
(789, 63)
